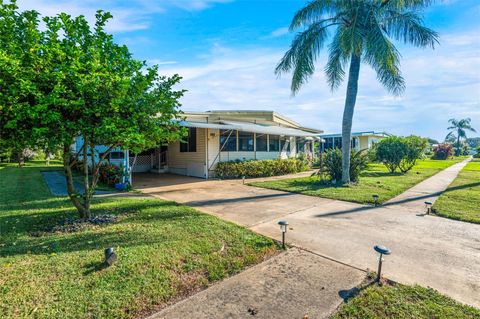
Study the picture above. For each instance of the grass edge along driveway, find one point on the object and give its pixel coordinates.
(402, 301)
(165, 252)
(374, 180)
(461, 200)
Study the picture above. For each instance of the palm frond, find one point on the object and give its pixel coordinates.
(313, 12)
(337, 59)
(302, 54)
(384, 58)
(408, 27)
(404, 4)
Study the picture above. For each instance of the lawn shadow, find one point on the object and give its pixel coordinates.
(100, 236)
(47, 213)
(95, 266)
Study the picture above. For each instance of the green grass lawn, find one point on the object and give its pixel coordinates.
(375, 180)
(165, 252)
(462, 198)
(401, 301)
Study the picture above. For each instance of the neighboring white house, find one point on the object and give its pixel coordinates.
(360, 140)
(221, 136)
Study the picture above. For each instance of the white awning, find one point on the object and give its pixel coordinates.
(207, 125)
(253, 128)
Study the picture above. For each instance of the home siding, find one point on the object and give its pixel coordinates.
(188, 163)
(363, 142)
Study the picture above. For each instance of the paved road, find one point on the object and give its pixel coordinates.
(428, 250)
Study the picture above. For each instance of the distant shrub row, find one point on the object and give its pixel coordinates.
(260, 168)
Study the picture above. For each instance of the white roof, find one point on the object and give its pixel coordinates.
(250, 127)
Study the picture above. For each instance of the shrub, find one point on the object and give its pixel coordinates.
(415, 146)
(332, 164)
(400, 152)
(391, 151)
(259, 168)
(442, 151)
(477, 152)
(110, 174)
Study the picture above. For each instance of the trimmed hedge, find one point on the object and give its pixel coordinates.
(260, 168)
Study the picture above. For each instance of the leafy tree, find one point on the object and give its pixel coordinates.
(458, 130)
(86, 85)
(362, 31)
(414, 146)
(20, 67)
(391, 151)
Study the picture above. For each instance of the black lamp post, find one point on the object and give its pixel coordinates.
(283, 227)
(381, 250)
(428, 205)
(375, 199)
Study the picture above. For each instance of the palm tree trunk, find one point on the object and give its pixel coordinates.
(350, 100)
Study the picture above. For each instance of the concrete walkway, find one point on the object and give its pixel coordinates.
(428, 190)
(428, 250)
(293, 284)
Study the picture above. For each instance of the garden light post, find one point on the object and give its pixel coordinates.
(428, 205)
(375, 199)
(283, 227)
(381, 250)
(110, 256)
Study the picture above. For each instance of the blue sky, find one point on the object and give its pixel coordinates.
(227, 50)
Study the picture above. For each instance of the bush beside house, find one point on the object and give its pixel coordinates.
(332, 164)
(260, 168)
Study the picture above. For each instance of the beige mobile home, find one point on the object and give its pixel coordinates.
(219, 136)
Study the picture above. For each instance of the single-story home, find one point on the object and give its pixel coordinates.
(221, 136)
(360, 140)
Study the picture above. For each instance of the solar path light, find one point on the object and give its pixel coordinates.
(375, 199)
(283, 227)
(428, 206)
(110, 256)
(381, 250)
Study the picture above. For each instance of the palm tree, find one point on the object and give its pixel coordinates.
(362, 31)
(458, 130)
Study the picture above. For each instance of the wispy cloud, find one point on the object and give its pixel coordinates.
(127, 15)
(441, 84)
(279, 32)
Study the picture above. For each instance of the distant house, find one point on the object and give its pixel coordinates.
(220, 136)
(360, 140)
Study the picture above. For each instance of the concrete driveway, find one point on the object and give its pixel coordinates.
(428, 250)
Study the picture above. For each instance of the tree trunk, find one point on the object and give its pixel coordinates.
(350, 100)
(458, 144)
(72, 193)
(20, 158)
(86, 184)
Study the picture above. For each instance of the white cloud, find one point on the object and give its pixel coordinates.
(279, 32)
(127, 16)
(441, 84)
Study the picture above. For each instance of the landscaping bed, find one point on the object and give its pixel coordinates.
(461, 200)
(165, 252)
(401, 301)
(374, 180)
